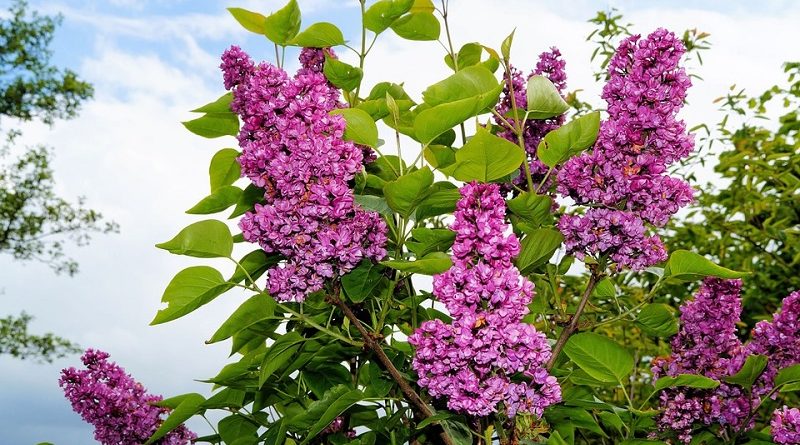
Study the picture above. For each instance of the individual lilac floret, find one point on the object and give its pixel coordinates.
(294, 149)
(786, 426)
(118, 406)
(475, 361)
(779, 340)
(626, 169)
(550, 65)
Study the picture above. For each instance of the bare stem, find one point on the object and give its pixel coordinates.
(573, 323)
(371, 343)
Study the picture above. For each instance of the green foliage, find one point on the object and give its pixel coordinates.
(18, 343)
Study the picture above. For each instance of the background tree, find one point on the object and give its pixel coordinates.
(35, 223)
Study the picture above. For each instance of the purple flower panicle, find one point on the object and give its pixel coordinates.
(474, 361)
(294, 149)
(779, 340)
(786, 426)
(625, 172)
(118, 406)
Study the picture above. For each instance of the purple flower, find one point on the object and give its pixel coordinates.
(486, 358)
(625, 171)
(786, 426)
(294, 149)
(779, 340)
(118, 406)
(550, 65)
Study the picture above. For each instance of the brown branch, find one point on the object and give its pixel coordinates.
(371, 343)
(573, 324)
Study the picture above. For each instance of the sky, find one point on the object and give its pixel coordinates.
(152, 60)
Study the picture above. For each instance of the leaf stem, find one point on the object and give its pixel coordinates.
(594, 278)
(371, 343)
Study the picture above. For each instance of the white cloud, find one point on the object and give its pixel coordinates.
(129, 154)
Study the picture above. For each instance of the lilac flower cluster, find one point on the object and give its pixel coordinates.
(474, 361)
(786, 426)
(708, 345)
(550, 65)
(779, 340)
(294, 149)
(117, 405)
(625, 173)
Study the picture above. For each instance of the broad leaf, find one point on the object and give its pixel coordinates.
(237, 429)
(487, 157)
(251, 21)
(253, 310)
(214, 125)
(431, 264)
(753, 367)
(219, 200)
(417, 26)
(188, 290)
(322, 412)
(360, 128)
(427, 240)
(279, 354)
(532, 208)
(657, 319)
(380, 16)
(190, 406)
(568, 140)
(319, 35)
(544, 100)
(219, 106)
(602, 358)
(406, 192)
(282, 25)
(342, 75)
(686, 265)
(537, 248)
(224, 169)
(790, 374)
(204, 239)
(359, 283)
(687, 380)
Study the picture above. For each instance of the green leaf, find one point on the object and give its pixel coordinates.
(186, 409)
(753, 367)
(342, 75)
(406, 192)
(380, 16)
(458, 432)
(188, 290)
(544, 100)
(250, 196)
(219, 106)
(335, 402)
(468, 55)
(440, 415)
(537, 248)
(442, 200)
(373, 203)
(657, 319)
(319, 35)
(423, 6)
(253, 310)
(360, 128)
(279, 354)
(505, 47)
(323, 378)
(219, 200)
(487, 157)
(255, 264)
(235, 428)
(282, 25)
(359, 283)
(427, 240)
(531, 207)
(431, 264)
(602, 358)
(224, 169)
(204, 239)
(568, 140)
(417, 26)
(451, 101)
(687, 380)
(688, 266)
(790, 374)
(251, 21)
(214, 125)
(226, 398)
(441, 158)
